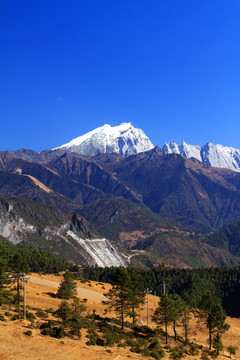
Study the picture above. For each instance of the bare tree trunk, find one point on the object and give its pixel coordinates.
(174, 329)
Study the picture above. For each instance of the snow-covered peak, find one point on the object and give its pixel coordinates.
(184, 149)
(171, 148)
(123, 139)
(190, 151)
(214, 155)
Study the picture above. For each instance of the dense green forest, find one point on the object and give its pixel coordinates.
(36, 260)
(191, 284)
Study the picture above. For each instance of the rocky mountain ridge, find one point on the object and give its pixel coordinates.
(127, 140)
(185, 190)
(31, 224)
(218, 156)
(135, 200)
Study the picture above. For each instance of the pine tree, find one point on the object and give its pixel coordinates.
(164, 314)
(68, 287)
(6, 295)
(136, 293)
(177, 312)
(19, 267)
(118, 295)
(76, 320)
(64, 312)
(214, 316)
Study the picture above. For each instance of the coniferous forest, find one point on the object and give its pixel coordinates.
(191, 284)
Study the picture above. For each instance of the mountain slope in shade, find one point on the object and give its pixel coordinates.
(47, 228)
(123, 139)
(179, 250)
(199, 197)
(213, 155)
(196, 195)
(227, 238)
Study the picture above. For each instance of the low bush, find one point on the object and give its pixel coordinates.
(232, 350)
(7, 313)
(176, 353)
(158, 354)
(94, 339)
(193, 349)
(2, 318)
(30, 316)
(49, 328)
(28, 333)
(41, 314)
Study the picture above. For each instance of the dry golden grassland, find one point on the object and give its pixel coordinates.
(14, 345)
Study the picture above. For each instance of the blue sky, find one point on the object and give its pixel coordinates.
(170, 67)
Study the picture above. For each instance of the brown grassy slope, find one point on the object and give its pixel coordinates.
(14, 345)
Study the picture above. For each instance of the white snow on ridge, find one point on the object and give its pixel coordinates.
(190, 151)
(123, 139)
(127, 140)
(214, 155)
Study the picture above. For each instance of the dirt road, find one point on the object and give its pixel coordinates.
(85, 293)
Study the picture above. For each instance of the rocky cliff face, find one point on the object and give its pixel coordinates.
(47, 228)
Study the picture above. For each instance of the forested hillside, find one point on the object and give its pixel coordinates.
(191, 284)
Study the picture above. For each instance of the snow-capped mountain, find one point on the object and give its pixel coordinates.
(123, 139)
(127, 140)
(210, 154)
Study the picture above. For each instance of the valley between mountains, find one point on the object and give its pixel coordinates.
(151, 208)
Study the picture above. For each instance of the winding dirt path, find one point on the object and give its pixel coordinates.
(87, 293)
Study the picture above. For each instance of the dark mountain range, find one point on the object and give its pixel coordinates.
(180, 249)
(119, 196)
(227, 238)
(124, 221)
(154, 240)
(31, 224)
(198, 196)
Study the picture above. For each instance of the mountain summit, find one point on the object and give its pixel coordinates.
(214, 155)
(123, 139)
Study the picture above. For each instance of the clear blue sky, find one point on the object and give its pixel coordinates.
(170, 67)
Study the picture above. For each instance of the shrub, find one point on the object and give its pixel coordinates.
(94, 339)
(232, 350)
(2, 318)
(58, 332)
(204, 355)
(123, 345)
(100, 342)
(111, 338)
(16, 317)
(193, 349)
(49, 311)
(28, 333)
(54, 331)
(47, 331)
(155, 344)
(30, 316)
(158, 354)
(145, 352)
(41, 314)
(138, 345)
(176, 354)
